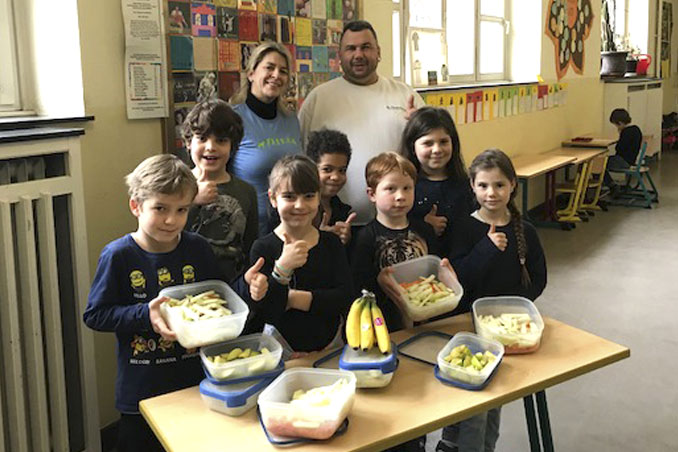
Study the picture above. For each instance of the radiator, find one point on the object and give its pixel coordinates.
(48, 394)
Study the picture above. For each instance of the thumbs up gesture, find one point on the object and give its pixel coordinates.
(343, 228)
(294, 253)
(257, 281)
(439, 223)
(498, 238)
(207, 189)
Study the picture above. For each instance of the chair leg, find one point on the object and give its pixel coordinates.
(654, 192)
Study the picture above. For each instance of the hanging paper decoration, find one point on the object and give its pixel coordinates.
(568, 24)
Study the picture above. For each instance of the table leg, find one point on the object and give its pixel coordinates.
(548, 221)
(531, 419)
(544, 423)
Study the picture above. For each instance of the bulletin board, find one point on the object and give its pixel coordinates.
(209, 44)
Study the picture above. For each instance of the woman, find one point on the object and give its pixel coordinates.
(271, 129)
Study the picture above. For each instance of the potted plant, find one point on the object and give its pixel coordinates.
(612, 58)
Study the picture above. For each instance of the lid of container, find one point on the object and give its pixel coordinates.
(233, 395)
(371, 360)
(270, 374)
(424, 346)
(460, 384)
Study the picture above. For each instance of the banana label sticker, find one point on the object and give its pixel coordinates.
(138, 283)
(164, 277)
(188, 273)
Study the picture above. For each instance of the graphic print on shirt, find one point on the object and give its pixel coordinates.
(164, 277)
(401, 248)
(223, 224)
(188, 273)
(138, 283)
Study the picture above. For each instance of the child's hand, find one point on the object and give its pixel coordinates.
(388, 285)
(445, 263)
(294, 253)
(498, 238)
(439, 223)
(299, 299)
(157, 322)
(343, 228)
(207, 189)
(257, 281)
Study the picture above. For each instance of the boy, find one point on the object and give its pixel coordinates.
(627, 148)
(225, 209)
(331, 152)
(391, 237)
(124, 294)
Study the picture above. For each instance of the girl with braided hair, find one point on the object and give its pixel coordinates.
(494, 252)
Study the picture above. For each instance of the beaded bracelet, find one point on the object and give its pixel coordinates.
(282, 270)
(284, 280)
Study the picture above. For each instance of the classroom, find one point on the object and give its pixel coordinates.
(89, 90)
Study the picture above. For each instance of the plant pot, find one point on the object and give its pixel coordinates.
(613, 64)
(631, 66)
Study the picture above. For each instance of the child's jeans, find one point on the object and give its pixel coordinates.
(475, 434)
(615, 162)
(134, 435)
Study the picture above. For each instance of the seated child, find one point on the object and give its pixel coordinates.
(311, 282)
(628, 146)
(331, 152)
(225, 208)
(124, 294)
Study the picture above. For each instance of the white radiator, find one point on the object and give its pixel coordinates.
(48, 396)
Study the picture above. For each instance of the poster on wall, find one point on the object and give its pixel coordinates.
(145, 62)
(568, 24)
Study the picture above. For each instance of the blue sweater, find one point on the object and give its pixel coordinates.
(265, 142)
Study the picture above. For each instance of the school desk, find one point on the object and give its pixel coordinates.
(592, 143)
(414, 403)
(533, 165)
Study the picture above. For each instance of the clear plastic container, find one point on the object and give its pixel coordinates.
(283, 418)
(475, 344)
(372, 369)
(209, 331)
(233, 400)
(243, 367)
(425, 266)
(514, 343)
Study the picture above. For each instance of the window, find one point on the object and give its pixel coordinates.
(456, 40)
(9, 79)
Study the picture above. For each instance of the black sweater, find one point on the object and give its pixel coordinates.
(628, 146)
(483, 270)
(326, 275)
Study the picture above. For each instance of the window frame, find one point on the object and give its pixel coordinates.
(9, 58)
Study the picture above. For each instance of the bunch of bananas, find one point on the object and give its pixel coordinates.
(365, 325)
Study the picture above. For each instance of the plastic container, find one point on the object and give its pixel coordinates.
(244, 367)
(372, 369)
(282, 418)
(514, 343)
(233, 400)
(471, 377)
(271, 374)
(209, 331)
(411, 270)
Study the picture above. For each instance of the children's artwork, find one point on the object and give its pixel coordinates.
(229, 55)
(293, 53)
(303, 34)
(333, 59)
(181, 53)
(334, 9)
(302, 8)
(334, 28)
(319, 31)
(460, 102)
(568, 24)
(349, 10)
(268, 6)
(207, 86)
(229, 84)
(248, 26)
(494, 102)
(184, 88)
(204, 20)
(291, 92)
(334, 75)
(268, 28)
(227, 22)
(522, 102)
(320, 77)
(180, 114)
(304, 59)
(246, 50)
(178, 13)
(320, 62)
(305, 85)
(247, 5)
(204, 54)
(226, 3)
(318, 9)
(286, 7)
(285, 29)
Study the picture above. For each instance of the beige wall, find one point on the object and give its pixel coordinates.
(670, 85)
(111, 148)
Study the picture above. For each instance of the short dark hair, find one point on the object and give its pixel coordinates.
(213, 116)
(620, 116)
(358, 25)
(327, 141)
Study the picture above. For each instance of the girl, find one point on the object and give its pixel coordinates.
(442, 196)
(310, 281)
(494, 252)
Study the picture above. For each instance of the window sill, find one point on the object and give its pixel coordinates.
(24, 122)
(32, 134)
(466, 86)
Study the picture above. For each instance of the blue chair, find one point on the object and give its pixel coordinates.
(635, 191)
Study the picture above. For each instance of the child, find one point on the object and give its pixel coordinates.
(225, 209)
(331, 152)
(391, 237)
(442, 195)
(628, 146)
(124, 294)
(311, 282)
(494, 253)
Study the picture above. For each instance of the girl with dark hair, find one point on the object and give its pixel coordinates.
(442, 195)
(494, 253)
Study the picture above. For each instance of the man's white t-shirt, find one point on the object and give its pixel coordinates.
(373, 118)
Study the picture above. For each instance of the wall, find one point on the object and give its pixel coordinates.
(111, 148)
(670, 85)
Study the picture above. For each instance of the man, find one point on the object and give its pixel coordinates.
(371, 110)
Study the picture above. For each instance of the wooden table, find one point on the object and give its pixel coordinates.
(593, 143)
(533, 165)
(413, 404)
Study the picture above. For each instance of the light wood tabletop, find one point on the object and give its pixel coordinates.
(532, 165)
(592, 143)
(413, 404)
(580, 154)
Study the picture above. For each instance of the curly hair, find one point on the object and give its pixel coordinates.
(327, 141)
(213, 116)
